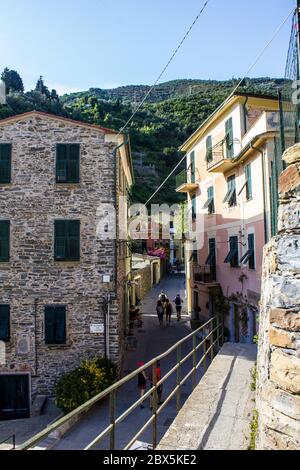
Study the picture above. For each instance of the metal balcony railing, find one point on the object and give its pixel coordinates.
(185, 177)
(204, 346)
(203, 274)
(218, 153)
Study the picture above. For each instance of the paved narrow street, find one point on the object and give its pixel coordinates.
(152, 341)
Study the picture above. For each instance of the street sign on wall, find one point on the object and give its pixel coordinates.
(97, 328)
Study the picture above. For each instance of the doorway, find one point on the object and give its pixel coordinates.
(236, 319)
(14, 396)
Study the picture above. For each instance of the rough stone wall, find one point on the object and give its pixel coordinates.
(145, 284)
(278, 391)
(33, 279)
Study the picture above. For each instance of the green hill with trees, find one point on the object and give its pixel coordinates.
(172, 112)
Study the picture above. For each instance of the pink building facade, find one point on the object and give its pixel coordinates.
(230, 182)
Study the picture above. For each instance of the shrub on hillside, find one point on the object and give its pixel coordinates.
(90, 378)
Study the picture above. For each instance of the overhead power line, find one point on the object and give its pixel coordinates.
(165, 68)
(233, 91)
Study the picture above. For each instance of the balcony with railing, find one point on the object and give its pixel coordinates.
(185, 182)
(204, 274)
(220, 158)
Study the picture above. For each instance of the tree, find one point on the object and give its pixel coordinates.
(41, 87)
(12, 80)
(54, 95)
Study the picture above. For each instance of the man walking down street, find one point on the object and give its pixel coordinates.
(178, 304)
(169, 311)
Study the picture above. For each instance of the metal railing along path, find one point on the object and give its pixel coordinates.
(214, 338)
(10, 438)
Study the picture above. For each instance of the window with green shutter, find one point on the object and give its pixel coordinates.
(55, 325)
(249, 256)
(192, 165)
(4, 240)
(194, 207)
(230, 196)
(4, 323)
(67, 163)
(210, 203)
(233, 255)
(67, 240)
(229, 138)
(248, 177)
(209, 152)
(5, 163)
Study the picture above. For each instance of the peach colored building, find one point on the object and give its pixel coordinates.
(233, 160)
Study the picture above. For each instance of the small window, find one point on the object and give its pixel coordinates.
(5, 163)
(194, 207)
(67, 240)
(233, 255)
(249, 256)
(4, 323)
(229, 138)
(67, 163)
(4, 240)
(55, 325)
(209, 149)
(210, 203)
(231, 192)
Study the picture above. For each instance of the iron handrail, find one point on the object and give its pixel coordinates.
(111, 391)
(13, 437)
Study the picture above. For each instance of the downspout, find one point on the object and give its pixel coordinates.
(264, 189)
(35, 337)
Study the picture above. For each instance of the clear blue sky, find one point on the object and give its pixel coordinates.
(78, 44)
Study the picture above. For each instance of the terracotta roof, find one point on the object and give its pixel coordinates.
(60, 118)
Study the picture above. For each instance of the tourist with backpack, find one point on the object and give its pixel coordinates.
(178, 304)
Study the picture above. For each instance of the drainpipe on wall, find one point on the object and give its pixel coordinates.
(35, 338)
(245, 114)
(264, 189)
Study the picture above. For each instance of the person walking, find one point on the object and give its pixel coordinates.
(159, 388)
(169, 311)
(142, 381)
(178, 304)
(160, 312)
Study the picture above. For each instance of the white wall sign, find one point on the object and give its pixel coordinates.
(106, 278)
(97, 328)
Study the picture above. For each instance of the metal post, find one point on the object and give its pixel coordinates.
(14, 441)
(194, 361)
(154, 405)
(112, 415)
(204, 355)
(178, 394)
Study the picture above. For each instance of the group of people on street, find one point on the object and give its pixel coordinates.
(145, 377)
(164, 308)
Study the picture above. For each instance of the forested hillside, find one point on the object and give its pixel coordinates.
(172, 112)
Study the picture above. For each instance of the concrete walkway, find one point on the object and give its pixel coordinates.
(217, 415)
(152, 341)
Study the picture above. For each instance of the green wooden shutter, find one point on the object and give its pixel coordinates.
(73, 163)
(252, 249)
(61, 163)
(210, 194)
(50, 325)
(60, 325)
(229, 138)
(209, 154)
(248, 175)
(60, 239)
(4, 241)
(74, 240)
(193, 167)
(194, 208)
(4, 322)
(5, 163)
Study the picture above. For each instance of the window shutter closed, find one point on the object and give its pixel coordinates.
(248, 176)
(229, 138)
(73, 170)
(67, 163)
(4, 241)
(4, 323)
(60, 239)
(60, 325)
(193, 167)
(74, 239)
(209, 154)
(5, 163)
(50, 325)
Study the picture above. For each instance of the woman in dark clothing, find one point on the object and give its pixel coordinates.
(160, 312)
(142, 381)
(169, 311)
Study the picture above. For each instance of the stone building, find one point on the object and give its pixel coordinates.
(63, 268)
(278, 390)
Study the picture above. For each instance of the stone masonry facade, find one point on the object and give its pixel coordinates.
(32, 279)
(278, 391)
